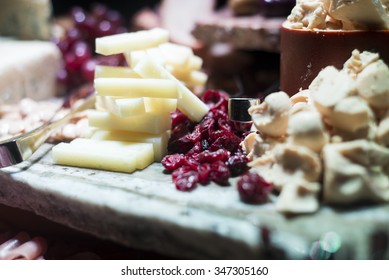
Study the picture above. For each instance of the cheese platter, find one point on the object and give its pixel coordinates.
(144, 210)
(164, 164)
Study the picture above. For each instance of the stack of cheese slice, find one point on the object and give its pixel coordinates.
(131, 122)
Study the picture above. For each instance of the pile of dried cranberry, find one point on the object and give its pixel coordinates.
(207, 151)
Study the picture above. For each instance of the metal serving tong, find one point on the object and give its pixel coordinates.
(21, 147)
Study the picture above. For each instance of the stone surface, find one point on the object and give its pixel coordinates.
(145, 211)
(246, 32)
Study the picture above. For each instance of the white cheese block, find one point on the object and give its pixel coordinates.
(195, 63)
(196, 78)
(159, 141)
(187, 63)
(26, 19)
(188, 103)
(133, 57)
(148, 123)
(133, 87)
(102, 71)
(123, 107)
(127, 107)
(28, 69)
(140, 40)
(176, 55)
(105, 155)
(166, 53)
(160, 105)
(142, 152)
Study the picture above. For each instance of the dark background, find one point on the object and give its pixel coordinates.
(126, 7)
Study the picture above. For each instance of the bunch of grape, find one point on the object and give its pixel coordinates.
(78, 44)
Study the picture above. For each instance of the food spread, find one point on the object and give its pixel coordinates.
(328, 143)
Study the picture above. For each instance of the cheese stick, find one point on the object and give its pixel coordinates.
(133, 87)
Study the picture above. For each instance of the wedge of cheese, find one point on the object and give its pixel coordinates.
(26, 19)
(159, 141)
(188, 102)
(102, 71)
(106, 155)
(21, 71)
(140, 40)
(154, 123)
(133, 87)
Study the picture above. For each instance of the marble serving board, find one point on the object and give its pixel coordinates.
(144, 210)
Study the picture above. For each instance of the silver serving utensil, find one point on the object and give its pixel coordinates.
(238, 112)
(21, 147)
(238, 108)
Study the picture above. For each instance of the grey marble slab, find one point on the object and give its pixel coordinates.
(144, 210)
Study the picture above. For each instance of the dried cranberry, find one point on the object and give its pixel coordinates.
(181, 145)
(219, 173)
(203, 173)
(195, 135)
(237, 164)
(216, 99)
(228, 141)
(253, 188)
(179, 131)
(206, 127)
(209, 156)
(210, 149)
(196, 149)
(218, 114)
(178, 118)
(185, 179)
(172, 162)
(224, 125)
(191, 162)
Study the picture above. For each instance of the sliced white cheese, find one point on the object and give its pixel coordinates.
(133, 87)
(142, 152)
(159, 141)
(133, 57)
(179, 65)
(195, 63)
(102, 71)
(176, 55)
(196, 78)
(121, 107)
(154, 123)
(104, 155)
(140, 40)
(160, 105)
(188, 102)
(127, 107)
